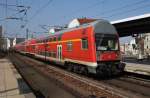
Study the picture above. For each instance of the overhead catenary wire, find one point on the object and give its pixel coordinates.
(122, 7)
(4, 4)
(108, 11)
(127, 11)
(107, 14)
(40, 9)
(84, 8)
(6, 13)
(36, 13)
(89, 7)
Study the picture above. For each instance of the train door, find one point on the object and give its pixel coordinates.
(59, 52)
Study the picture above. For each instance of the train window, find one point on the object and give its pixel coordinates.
(48, 46)
(106, 42)
(42, 41)
(69, 46)
(50, 39)
(84, 44)
(54, 39)
(33, 47)
(59, 38)
(49, 54)
(43, 53)
(53, 54)
(46, 40)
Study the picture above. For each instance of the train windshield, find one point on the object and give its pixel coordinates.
(106, 42)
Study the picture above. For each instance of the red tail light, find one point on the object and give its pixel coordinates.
(109, 56)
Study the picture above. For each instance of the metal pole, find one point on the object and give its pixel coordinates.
(27, 34)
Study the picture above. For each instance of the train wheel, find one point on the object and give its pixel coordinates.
(99, 72)
(85, 71)
(109, 70)
(76, 68)
(69, 67)
(114, 70)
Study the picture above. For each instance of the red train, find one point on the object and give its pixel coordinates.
(89, 48)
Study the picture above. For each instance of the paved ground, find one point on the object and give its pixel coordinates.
(141, 67)
(40, 82)
(138, 68)
(11, 83)
(134, 60)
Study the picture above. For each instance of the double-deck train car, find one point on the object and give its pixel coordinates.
(89, 48)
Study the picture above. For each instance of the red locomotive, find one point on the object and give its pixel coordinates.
(92, 47)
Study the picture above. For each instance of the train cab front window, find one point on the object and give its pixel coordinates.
(107, 42)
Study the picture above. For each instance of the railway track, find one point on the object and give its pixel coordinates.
(40, 84)
(120, 87)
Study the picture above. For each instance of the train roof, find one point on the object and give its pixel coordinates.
(104, 27)
(99, 25)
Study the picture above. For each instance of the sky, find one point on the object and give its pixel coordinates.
(61, 12)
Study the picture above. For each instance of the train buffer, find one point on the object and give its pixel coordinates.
(12, 84)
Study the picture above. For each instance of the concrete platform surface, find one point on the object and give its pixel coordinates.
(138, 68)
(11, 83)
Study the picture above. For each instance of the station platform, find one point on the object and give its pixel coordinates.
(138, 68)
(11, 83)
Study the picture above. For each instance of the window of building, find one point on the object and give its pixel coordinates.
(69, 46)
(84, 44)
